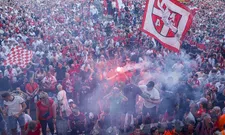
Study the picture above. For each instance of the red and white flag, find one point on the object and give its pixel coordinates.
(19, 56)
(167, 21)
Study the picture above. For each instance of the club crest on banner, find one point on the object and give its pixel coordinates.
(167, 21)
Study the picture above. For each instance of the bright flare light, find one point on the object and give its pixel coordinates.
(118, 69)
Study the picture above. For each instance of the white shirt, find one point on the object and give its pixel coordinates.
(113, 4)
(61, 96)
(93, 10)
(154, 94)
(27, 118)
(190, 117)
(3, 55)
(13, 74)
(14, 107)
(49, 80)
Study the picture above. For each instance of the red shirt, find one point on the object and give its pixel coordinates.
(124, 76)
(36, 132)
(75, 69)
(31, 87)
(201, 111)
(44, 109)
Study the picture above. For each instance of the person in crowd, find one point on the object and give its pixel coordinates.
(63, 106)
(77, 122)
(27, 119)
(115, 98)
(189, 128)
(189, 117)
(131, 91)
(91, 120)
(205, 127)
(105, 119)
(221, 99)
(39, 75)
(150, 104)
(221, 121)
(62, 102)
(2, 123)
(11, 74)
(4, 82)
(202, 107)
(137, 131)
(15, 107)
(32, 89)
(46, 112)
(72, 105)
(60, 72)
(154, 131)
(33, 128)
(49, 83)
(68, 85)
(194, 82)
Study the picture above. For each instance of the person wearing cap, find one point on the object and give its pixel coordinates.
(151, 102)
(70, 101)
(46, 112)
(72, 104)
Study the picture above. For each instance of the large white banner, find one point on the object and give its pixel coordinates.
(167, 21)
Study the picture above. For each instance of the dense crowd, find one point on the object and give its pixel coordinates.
(94, 72)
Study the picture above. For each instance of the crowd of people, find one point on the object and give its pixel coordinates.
(95, 72)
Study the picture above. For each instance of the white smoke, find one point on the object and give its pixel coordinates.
(173, 68)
